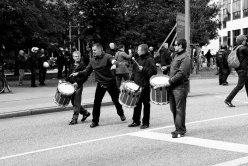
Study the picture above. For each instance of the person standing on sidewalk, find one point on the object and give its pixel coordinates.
(22, 59)
(42, 69)
(242, 70)
(122, 69)
(222, 64)
(141, 76)
(76, 66)
(33, 64)
(102, 64)
(179, 87)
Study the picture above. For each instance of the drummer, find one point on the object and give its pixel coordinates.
(141, 76)
(77, 65)
(102, 63)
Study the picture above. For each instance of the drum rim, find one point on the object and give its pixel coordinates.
(68, 94)
(157, 75)
(129, 88)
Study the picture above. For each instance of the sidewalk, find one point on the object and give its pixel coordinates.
(30, 101)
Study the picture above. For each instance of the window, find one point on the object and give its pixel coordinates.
(245, 8)
(236, 9)
(245, 31)
(226, 10)
(225, 40)
(229, 38)
(235, 34)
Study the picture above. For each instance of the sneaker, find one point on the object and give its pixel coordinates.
(73, 122)
(133, 124)
(93, 124)
(123, 118)
(229, 103)
(144, 126)
(177, 134)
(225, 84)
(85, 116)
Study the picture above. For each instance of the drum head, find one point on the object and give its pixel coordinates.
(131, 86)
(66, 88)
(159, 80)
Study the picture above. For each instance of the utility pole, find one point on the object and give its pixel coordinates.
(70, 35)
(187, 24)
(79, 46)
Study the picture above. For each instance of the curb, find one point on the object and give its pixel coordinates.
(44, 110)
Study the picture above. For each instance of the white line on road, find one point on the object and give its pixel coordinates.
(236, 162)
(206, 143)
(110, 137)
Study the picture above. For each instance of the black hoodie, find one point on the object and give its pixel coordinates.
(149, 69)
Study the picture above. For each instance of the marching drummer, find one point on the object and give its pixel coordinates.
(78, 65)
(143, 70)
(102, 63)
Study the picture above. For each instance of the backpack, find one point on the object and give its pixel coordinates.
(232, 59)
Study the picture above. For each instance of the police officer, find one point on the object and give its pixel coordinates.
(221, 60)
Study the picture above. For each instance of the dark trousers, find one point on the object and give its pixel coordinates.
(76, 103)
(223, 74)
(145, 99)
(242, 81)
(177, 99)
(33, 76)
(119, 77)
(42, 75)
(60, 70)
(99, 94)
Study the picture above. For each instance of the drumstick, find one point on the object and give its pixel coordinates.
(135, 61)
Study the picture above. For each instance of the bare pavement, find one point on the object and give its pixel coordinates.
(217, 135)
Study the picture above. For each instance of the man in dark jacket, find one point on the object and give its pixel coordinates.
(141, 76)
(242, 70)
(102, 64)
(76, 66)
(221, 61)
(42, 69)
(179, 87)
(33, 65)
(165, 57)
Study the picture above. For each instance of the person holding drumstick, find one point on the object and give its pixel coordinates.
(102, 64)
(78, 84)
(143, 69)
(178, 87)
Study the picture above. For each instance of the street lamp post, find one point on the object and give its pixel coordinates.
(187, 24)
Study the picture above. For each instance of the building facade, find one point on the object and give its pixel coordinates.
(234, 20)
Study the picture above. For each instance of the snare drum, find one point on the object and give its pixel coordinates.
(64, 93)
(159, 96)
(130, 94)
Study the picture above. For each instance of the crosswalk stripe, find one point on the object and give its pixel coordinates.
(206, 143)
(236, 162)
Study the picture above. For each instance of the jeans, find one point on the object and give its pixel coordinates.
(21, 76)
(177, 99)
(242, 81)
(99, 94)
(76, 103)
(42, 75)
(145, 99)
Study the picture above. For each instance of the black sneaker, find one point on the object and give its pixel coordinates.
(177, 135)
(229, 103)
(133, 124)
(73, 122)
(85, 116)
(123, 118)
(93, 124)
(144, 126)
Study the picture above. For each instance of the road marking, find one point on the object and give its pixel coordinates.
(206, 143)
(111, 137)
(236, 162)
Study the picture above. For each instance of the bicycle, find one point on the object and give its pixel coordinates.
(4, 83)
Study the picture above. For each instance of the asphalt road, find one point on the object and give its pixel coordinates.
(217, 135)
